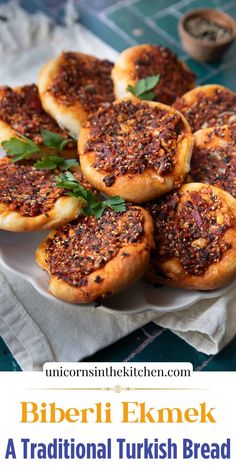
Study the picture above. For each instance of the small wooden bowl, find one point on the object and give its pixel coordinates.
(205, 50)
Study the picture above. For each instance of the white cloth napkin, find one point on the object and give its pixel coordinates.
(38, 330)
(35, 329)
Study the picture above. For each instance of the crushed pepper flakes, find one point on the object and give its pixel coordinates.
(83, 79)
(88, 244)
(22, 110)
(128, 138)
(216, 109)
(175, 79)
(28, 190)
(187, 227)
(216, 166)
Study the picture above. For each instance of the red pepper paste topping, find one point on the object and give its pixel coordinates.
(88, 244)
(216, 109)
(191, 226)
(27, 190)
(216, 165)
(22, 110)
(175, 79)
(128, 138)
(83, 79)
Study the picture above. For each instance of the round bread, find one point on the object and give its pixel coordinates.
(21, 112)
(92, 258)
(136, 149)
(214, 157)
(195, 238)
(74, 85)
(29, 199)
(139, 62)
(208, 106)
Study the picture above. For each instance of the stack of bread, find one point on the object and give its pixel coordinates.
(129, 165)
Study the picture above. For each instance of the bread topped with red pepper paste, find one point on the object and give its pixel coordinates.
(208, 106)
(145, 60)
(136, 149)
(72, 86)
(91, 258)
(195, 238)
(30, 200)
(214, 157)
(21, 112)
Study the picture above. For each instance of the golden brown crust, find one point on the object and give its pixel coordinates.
(146, 60)
(6, 132)
(21, 112)
(125, 268)
(145, 185)
(207, 106)
(214, 157)
(64, 209)
(173, 270)
(71, 118)
(73, 113)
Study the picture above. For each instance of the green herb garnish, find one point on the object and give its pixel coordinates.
(54, 140)
(18, 149)
(143, 87)
(21, 149)
(54, 162)
(93, 206)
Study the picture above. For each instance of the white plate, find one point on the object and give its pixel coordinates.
(17, 252)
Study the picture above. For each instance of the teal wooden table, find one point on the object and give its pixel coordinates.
(122, 24)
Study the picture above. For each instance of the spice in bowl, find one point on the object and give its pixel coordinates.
(206, 33)
(207, 30)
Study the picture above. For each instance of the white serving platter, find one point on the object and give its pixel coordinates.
(17, 254)
(17, 250)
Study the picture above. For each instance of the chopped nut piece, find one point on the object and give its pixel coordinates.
(199, 243)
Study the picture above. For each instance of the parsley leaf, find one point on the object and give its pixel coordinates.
(116, 203)
(54, 140)
(19, 149)
(93, 206)
(143, 87)
(54, 162)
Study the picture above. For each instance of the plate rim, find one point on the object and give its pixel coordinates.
(200, 295)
